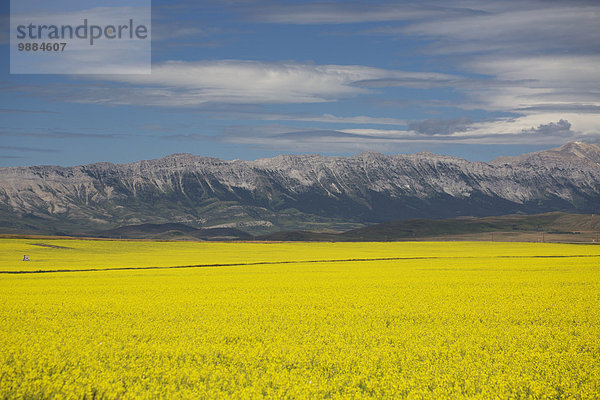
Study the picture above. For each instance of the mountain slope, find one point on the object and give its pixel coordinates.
(556, 222)
(172, 231)
(295, 192)
(560, 226)
(570, 155)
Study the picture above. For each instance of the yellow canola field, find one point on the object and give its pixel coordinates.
(100, 254)
(474, 320)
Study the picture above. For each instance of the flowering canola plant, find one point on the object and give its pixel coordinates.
(336, 320)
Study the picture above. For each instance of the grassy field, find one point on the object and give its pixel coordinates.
(424, 320)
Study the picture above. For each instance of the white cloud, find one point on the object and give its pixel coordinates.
(560, 83)
(513, 27)
(566, 71)
(537, 54)
(180, 84)
(341, 13)
(323, 118)
(535, 60)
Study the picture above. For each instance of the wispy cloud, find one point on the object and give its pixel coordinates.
(11, 157)
(440, 126)
(55, 134)
(564, 87)
(333, 119)
(540, 56)
(535, 61)
(308, 140)
(25, 111)
(521, 130)
(459, 26)
(161, 127)
(512, 27)
(513, 131)
(581, 108)
(349, 12)
(259, 114)
(28, 149)
(181, 84)
(536, 57)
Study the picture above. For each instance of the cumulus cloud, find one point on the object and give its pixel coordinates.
(561, 127)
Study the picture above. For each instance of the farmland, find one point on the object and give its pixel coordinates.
(299, 320)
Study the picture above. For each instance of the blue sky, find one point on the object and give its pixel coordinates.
(248, 79)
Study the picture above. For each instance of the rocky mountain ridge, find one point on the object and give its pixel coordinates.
(296, 191)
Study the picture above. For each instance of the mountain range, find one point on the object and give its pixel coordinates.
(295, 192)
